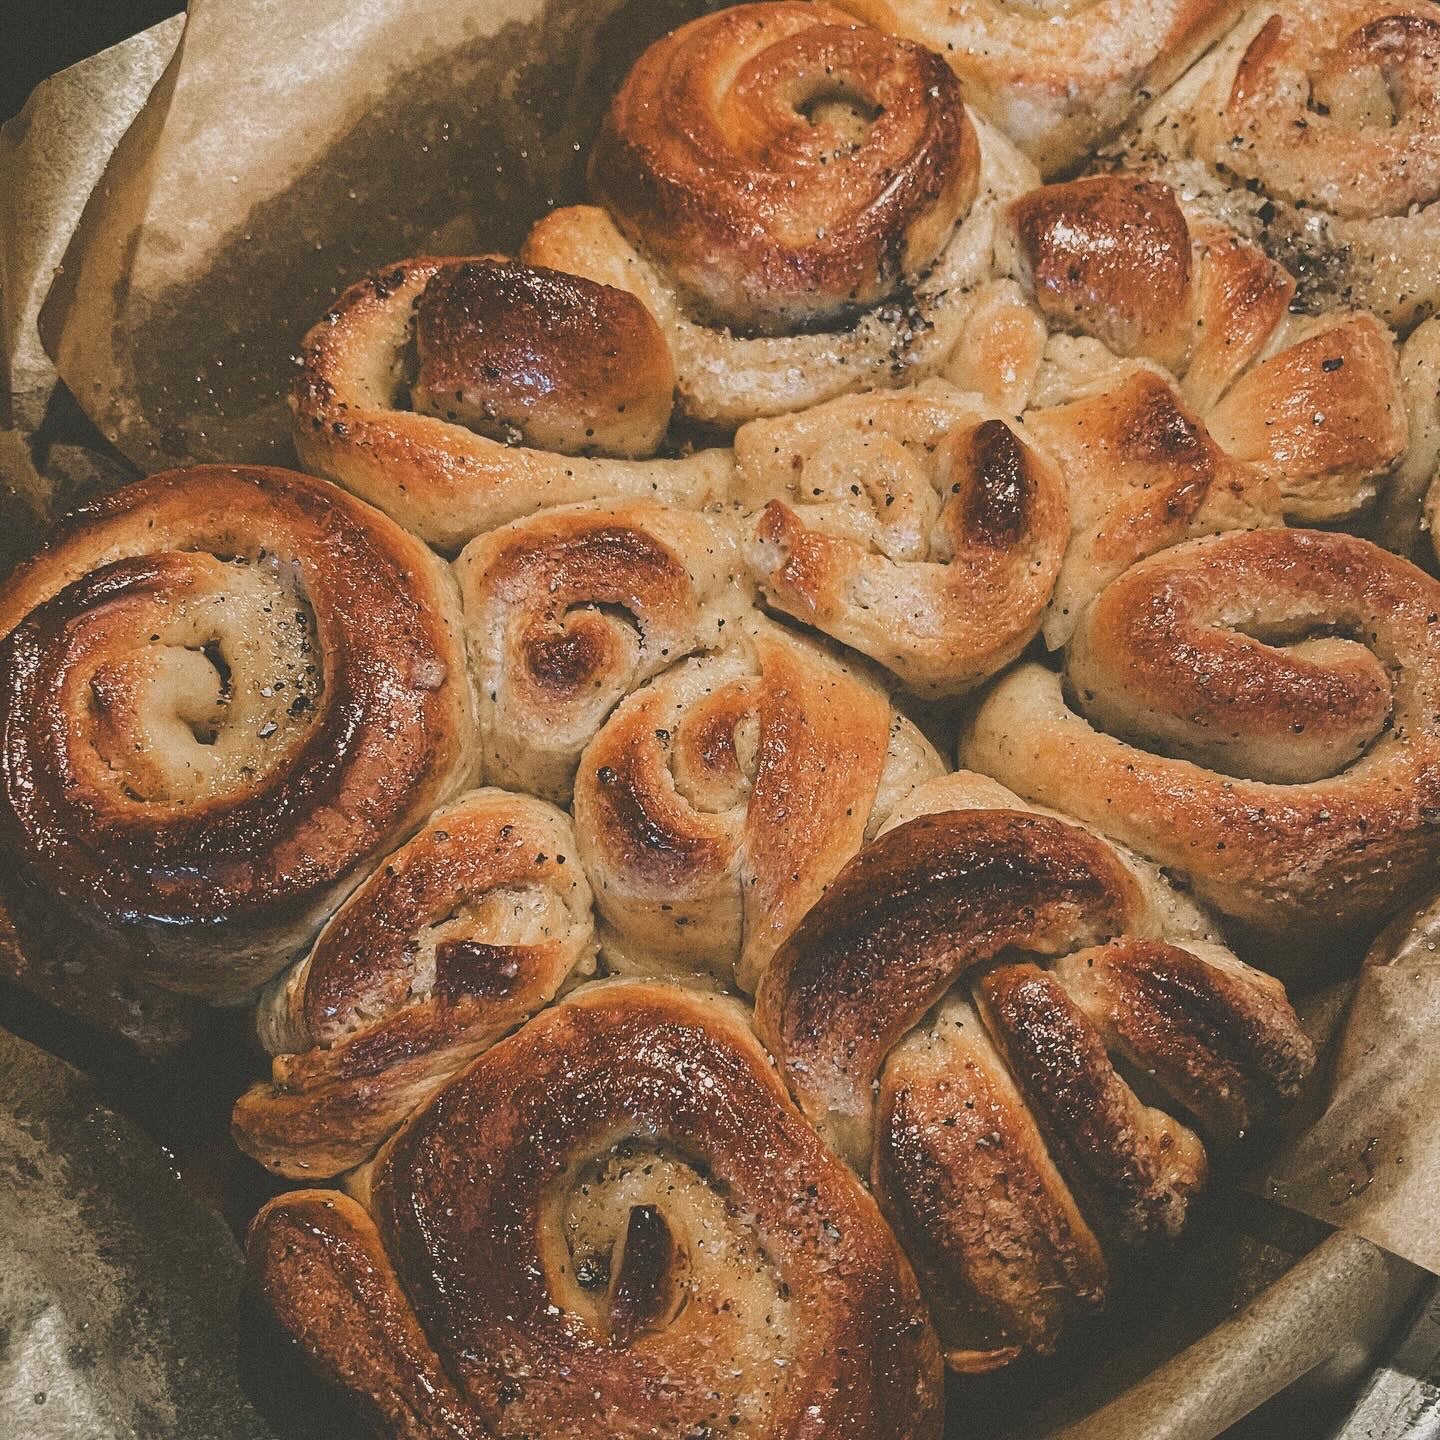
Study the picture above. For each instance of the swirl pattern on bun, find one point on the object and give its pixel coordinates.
(1260, 713)
(802, 202)
(223, 691)
(1315, 126)
(720, 799)
(614, 1222)
(786, 165)
(570, 610)
(917, 527)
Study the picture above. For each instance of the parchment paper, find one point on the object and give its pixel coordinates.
(1370, 1161)
(288, 149)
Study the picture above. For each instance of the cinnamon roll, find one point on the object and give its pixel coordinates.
(958, 1015)
(454, 940)
(801, 201)
(222, 691)
(1058, 76)
(614, 1222)
(1315, 127)
(1260, 713)
(720, 799)
(570, 610)
(917, 527)
(458, 394)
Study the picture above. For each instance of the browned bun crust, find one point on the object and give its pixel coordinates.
(1271, 700)
(1315, 126)
(559, 362)
(918, 527)
(223, 691)
(1314, 407)
(1143, 473)
(786, 164)
(533, 389)
(570, 610)
(458, 937)
(1007, 1149)
(638, 1130)
(720, 799)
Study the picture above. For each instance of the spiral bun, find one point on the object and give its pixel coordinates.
(222, 691)
(1257, 712)
(458, 394)
(570, 610)
(455, 939)
(1316, 127)
(802, 202)
(614, 1222)
(1056, 76)
(1143, 473)
(785, 164)
(1313, 405)
(916, 1022)
(719, 800)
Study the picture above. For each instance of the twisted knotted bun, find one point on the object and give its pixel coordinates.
(785, 165)
(459, 394)
(947, 1014)
(1316, 127)
(1313, 404)
(459, 936)
(917, 527)
(719, 800)
(615, 1222)
(1260, 713)
(570, 610)
(224, 690)
(1057, 76)
(1142, 473)
(802, 201)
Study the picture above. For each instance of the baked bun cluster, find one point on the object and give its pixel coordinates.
(696, 1050)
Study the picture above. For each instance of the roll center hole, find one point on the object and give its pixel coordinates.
(205, 727)
(840, 108)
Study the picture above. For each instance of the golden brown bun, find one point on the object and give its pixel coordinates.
(546, 359)
(803, 203)
(223, 691)
(570, 610)
(1315, 127)
(1142, 473)
(1273, 697)
(720, 799)
(1314, 406)
(531, 389)
(1006, 1148)
(786, 165)
(1057, 77)
(615, 1222)
(918, 527)
(454, 940)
